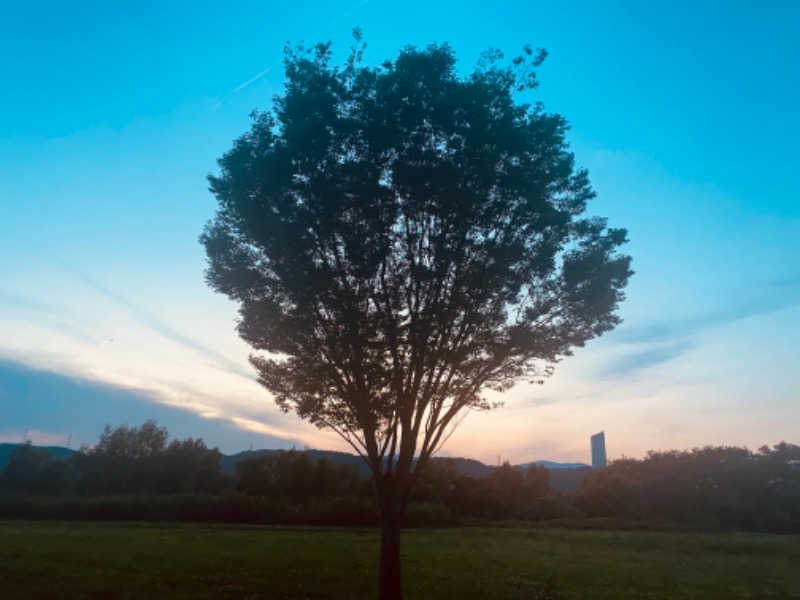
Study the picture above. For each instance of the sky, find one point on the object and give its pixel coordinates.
(113, 113)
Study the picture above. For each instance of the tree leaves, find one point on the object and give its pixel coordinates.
(401, 238)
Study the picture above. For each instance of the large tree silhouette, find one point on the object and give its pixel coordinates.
(401, 239)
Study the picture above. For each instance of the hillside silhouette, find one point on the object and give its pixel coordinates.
(137, 473)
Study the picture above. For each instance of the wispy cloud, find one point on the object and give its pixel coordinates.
(19, 301)
(158, 325)
(637, 348)
(641, 359)
(533, 401)
(774, 296)
(54, 317)
(151, 359)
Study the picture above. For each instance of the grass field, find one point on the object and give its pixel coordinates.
(94, 560)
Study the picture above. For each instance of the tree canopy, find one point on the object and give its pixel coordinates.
(401, 239)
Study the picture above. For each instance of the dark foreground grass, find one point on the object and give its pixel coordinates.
(91, 560)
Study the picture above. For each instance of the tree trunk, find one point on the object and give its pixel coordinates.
(390, 584)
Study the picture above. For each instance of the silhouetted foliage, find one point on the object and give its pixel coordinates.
(125, 442)
(401, 239)
(537, 481)
(437, 481)
(129, 460)
(188, 466)
(295, 477)
(36, 471)
(568, 480)
(710, 486)
(509, 492)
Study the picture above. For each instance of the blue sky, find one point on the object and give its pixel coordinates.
(113, 113)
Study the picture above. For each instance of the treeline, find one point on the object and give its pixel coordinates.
(725, 487)
(137, 473)
(125, 460)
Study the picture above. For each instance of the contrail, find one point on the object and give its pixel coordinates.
(252, 80)
(241, 86)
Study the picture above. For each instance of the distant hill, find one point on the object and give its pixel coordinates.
(564, 477)
(469, 466)
(228, 462)
(554, 465)
(464, 466)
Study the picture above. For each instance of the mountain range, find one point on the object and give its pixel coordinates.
(564, 477)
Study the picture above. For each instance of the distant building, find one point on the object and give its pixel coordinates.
(599, 450)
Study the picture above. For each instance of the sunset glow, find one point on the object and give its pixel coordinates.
(685, 116)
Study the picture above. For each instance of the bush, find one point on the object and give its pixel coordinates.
(427, 514)
(226, 508)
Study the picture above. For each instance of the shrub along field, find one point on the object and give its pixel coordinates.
(137, 474)
(111, 560)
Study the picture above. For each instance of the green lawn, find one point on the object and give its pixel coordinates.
(93, 560)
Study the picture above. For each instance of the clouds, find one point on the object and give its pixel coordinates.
(707, 262)
(130, 355)
(55, 409)
(770, 297)
(643, 359)
(655, 343)
(104, 195)
(167, 331)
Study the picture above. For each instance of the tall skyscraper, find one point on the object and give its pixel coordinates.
(599, 450)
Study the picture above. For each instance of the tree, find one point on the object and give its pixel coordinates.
(188, 466)
(35, 470)
(537, 481)
(138, 460)
(296, 477)
(506, 489)
(124, 460)
(401, 239)
(125, 442)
